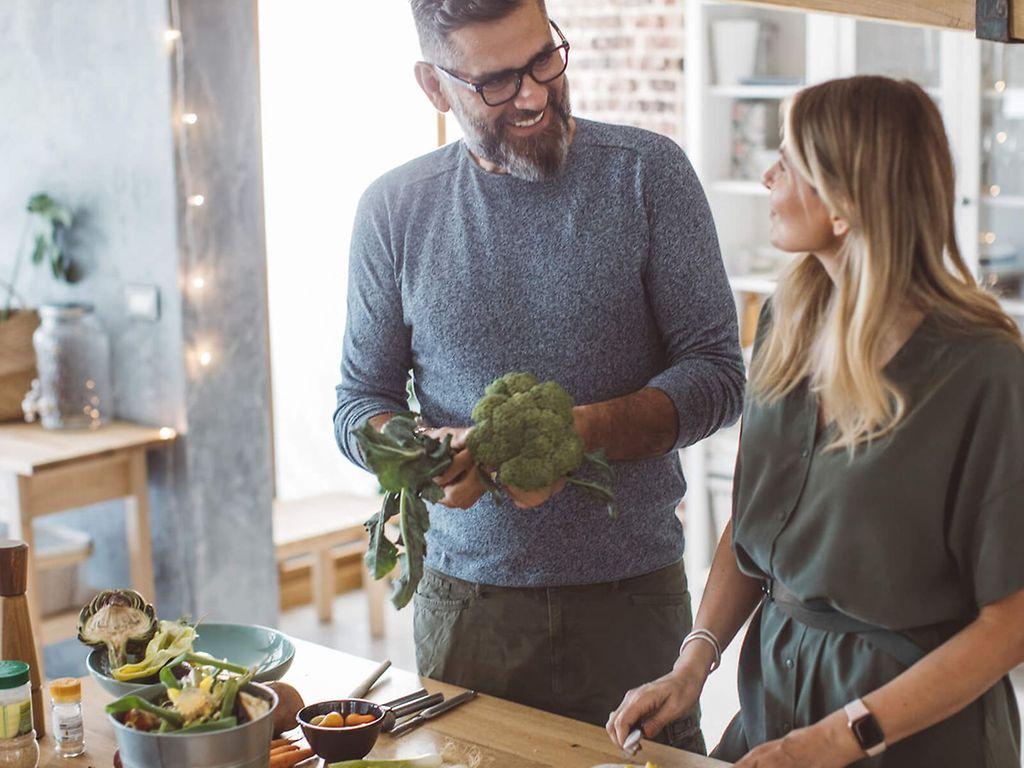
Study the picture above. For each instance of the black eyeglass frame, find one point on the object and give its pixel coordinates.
(518, 73)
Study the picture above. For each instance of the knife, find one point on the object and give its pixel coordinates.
(407, 706)
(632, 743)
(427, 714)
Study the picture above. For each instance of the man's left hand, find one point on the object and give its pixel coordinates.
(461, 481)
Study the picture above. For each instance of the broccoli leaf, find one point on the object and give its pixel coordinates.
(401, 458)
(415, 522)
(406, 461)
(382, 555)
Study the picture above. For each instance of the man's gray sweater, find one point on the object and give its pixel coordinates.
(606, 278)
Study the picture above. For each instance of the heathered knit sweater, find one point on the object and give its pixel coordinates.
(606, 278)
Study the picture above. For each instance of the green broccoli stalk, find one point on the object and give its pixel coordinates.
(524, 430)
(524, 434)
(406, 461)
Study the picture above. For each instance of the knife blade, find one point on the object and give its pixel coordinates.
(427, 714)
(632, 743)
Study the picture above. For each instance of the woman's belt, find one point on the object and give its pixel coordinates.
(820, 615)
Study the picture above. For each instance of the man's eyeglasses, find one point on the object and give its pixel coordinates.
(502, 87)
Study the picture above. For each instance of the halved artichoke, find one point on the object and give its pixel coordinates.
(117, 619)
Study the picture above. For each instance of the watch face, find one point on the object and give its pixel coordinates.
(867, 731)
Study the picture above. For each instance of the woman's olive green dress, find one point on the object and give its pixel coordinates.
(914, 533)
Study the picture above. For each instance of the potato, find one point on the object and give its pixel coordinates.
(333, 720)
(288, 707)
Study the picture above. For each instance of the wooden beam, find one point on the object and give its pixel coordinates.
(954, 14)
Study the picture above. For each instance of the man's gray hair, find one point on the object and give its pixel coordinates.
(437, 19)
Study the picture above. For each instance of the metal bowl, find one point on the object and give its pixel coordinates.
(334, 744)
(248, 645)
(246, 746)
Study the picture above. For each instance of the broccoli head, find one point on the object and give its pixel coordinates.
(525, 430)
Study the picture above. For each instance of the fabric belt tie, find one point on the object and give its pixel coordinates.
(818, 614)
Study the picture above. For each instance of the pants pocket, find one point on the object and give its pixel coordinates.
(433, 629)
(437, 607)
(685, 733)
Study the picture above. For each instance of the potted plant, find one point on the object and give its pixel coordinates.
(49, 222)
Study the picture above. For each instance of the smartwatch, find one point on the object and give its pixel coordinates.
(865, 728)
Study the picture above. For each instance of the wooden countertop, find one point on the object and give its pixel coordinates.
(490, 732)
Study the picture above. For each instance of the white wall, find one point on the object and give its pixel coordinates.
(340, 106)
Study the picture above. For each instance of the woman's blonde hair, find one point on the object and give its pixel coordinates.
(875, 151)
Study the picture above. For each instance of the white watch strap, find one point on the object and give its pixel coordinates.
(856, 710)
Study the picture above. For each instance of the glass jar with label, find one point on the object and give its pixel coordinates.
(18, 748)
(68, 730)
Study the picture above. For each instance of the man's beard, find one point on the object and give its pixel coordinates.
(531, 158)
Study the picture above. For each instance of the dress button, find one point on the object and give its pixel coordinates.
(805, 453)
(785, 728)
(789, 663)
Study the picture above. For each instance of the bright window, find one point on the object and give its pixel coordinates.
(340, 107)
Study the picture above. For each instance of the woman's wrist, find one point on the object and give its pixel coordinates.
(835, 731)
(695, 658)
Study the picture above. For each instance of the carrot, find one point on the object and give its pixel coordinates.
(283, 750)
(289, 759)
(357, 719)
(281, 742)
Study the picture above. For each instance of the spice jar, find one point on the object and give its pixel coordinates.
(68, 731)
(18, 748)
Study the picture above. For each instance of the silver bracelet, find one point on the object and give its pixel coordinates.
(708, 637)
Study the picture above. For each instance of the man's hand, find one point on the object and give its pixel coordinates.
(461, 481)
(529, 499)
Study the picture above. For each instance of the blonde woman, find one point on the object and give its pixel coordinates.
(878, 523)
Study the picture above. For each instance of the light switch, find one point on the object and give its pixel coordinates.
(1013, 104)
(142, 302)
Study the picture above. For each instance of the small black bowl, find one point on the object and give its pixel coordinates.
(349, 743)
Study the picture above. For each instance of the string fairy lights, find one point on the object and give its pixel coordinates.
(196, 279)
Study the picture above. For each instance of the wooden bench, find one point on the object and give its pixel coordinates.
(323, 528)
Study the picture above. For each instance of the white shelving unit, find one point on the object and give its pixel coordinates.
(813, 48)
(753, 91)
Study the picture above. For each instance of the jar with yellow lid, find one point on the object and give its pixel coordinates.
(68, 729)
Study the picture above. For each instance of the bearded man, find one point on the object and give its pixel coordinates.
(579, 252)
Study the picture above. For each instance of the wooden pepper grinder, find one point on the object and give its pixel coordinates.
(16, 640)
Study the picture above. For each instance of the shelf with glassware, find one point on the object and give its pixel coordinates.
(1000, 240)
(735, 91)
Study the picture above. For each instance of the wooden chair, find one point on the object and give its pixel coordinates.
(323, 528)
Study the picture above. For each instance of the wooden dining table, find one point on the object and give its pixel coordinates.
(485, 732)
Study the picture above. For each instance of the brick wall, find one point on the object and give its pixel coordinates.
(626, 63)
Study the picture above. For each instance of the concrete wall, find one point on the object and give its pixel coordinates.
(89, 116)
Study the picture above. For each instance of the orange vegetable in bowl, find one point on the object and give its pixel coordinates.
(357, 719)
(332, 720)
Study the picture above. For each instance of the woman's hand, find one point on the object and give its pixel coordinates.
(828, 744)
(658, 703)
